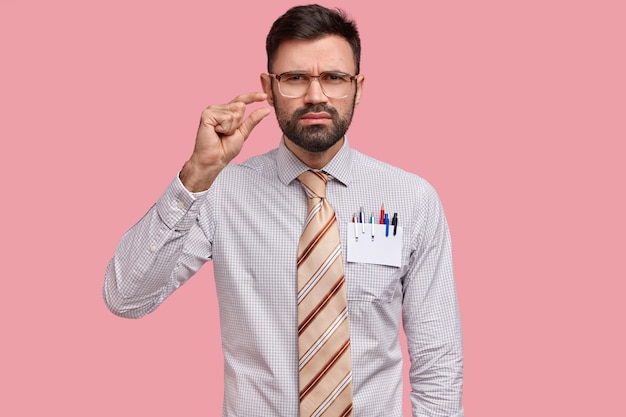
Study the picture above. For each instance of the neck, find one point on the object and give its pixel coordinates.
(314, 160)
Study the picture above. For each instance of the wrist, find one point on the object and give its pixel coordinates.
(197, 178)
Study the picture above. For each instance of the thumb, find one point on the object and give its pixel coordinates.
(252, 120)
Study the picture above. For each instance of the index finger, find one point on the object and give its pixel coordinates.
(249, 98)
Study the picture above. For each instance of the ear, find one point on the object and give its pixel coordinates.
(360, 80)
(266, 85)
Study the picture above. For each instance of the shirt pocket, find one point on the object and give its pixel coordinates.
(371, 282)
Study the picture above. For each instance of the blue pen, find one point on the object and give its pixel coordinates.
(362, 219)
(386, 225)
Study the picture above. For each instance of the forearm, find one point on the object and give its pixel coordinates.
(156, 256)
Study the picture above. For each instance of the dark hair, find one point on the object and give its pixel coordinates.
(312, 22)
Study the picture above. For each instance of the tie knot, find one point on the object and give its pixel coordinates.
(314, 183)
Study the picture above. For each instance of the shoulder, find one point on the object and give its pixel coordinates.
(385, 175)
(255, 168)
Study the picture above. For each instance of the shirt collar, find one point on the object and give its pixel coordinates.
(289, 166)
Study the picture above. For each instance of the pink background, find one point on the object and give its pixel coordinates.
(515, 111)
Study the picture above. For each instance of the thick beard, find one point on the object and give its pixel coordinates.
(315, 138)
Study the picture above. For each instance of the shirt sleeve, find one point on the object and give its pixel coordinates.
(431, 318)
(157, 255)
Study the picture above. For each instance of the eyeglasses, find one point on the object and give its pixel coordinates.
(295, 84)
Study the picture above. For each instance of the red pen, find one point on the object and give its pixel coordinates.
(382, 214)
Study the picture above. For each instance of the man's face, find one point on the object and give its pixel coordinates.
(314, 122)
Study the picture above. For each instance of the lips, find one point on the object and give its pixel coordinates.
(315, 116)
(321, 118)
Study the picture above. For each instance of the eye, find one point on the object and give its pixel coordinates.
(294, 77)
(335, 77)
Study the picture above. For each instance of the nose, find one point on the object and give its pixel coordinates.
(315, 94)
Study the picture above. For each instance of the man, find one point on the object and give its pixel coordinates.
(248, 219)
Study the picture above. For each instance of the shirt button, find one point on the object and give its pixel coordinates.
(153, 248)
(180, 204)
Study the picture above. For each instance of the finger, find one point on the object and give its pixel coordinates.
(249, 98)
(252, 120)
(232, 118)
(224, 118)
(227, 122)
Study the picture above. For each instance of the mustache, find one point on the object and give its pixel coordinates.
(315, 108)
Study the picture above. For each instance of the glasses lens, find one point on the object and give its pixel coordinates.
(294, 84)
(336, 84)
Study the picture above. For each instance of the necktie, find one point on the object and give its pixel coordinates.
(323, 330)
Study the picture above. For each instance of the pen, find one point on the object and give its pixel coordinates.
(362, 219)
(372, 222)
(382, 214)
(355, 220)
(394, 222)
(386, 225)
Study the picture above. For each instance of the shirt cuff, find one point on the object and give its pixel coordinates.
(196, 195)
(178, 207)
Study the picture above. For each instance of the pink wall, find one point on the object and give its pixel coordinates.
(515, 112)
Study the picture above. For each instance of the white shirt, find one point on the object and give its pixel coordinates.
(249, 223)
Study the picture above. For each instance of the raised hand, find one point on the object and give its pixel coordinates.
(221, 134)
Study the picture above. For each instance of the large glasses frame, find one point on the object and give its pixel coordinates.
(342, 77)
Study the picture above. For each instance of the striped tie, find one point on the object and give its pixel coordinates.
(323, 331)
